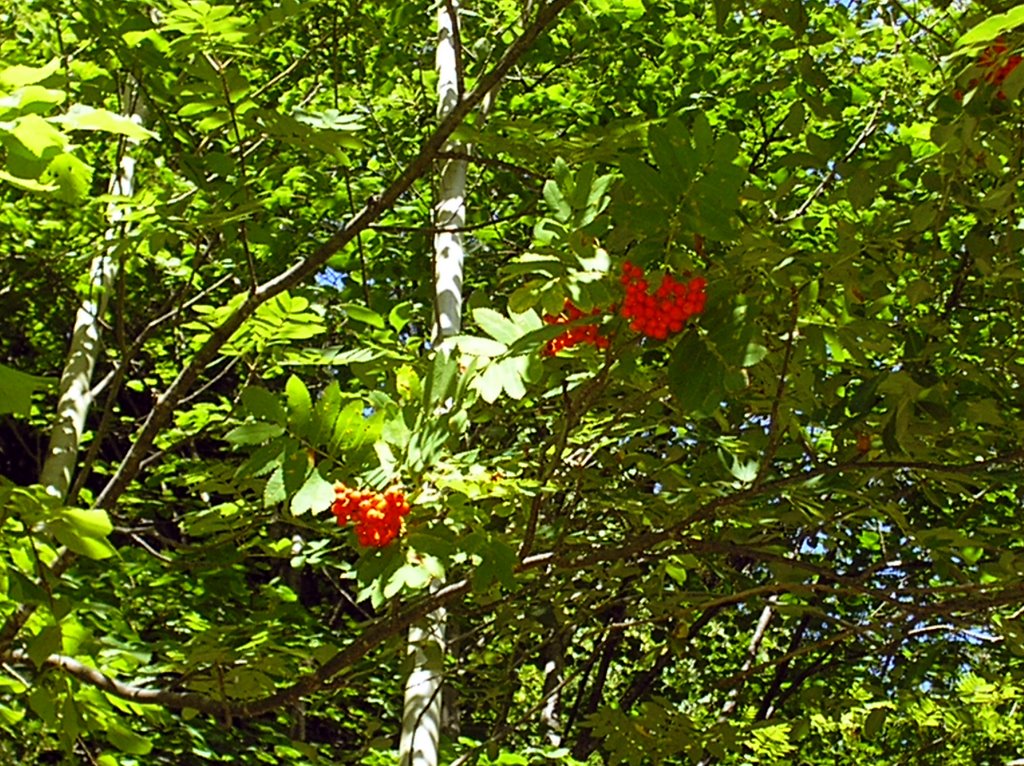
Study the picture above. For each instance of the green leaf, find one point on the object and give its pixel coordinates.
(506, 758)
(20, 75)
(42, 704)
(23, 590)
(353, 430)
(745, 471)
(263, 460)
(335, 356)
(274, 491)
(71, 176)
(84, 544)
(754, 353)
(48, 641)
(432, 542)
(696, 376)
(253, 433)
(26, 183)
(83, 531)
(474, 346)
(407, 383)
(401, 315)
(316, 495)
(514, 371)
(17, 388)
(497, 564)
(70, 722)
(296, 468)
(247, 682)
(363, 314)
(873, 722)
(92, 523)
(732, 331)
(410, 577)
(992, 27)
(264, 405)
(498, 326)
(438, 385)
(490, 383)
(300, 406)
(325, 413)
(127, 741)
(133, 38)
(502, 375)
(648, 183)
(676, 572)
(556, 201)
(80, 117)
(38, 137)
(675, 157)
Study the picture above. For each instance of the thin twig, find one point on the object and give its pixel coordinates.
(242, 170)
(865, 134)
(774, 434)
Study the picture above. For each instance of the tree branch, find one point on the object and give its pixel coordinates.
(782, 671)
(643, 681)
(641, 544)
(585, 743)
(307, 267)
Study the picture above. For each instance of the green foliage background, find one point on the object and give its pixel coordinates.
(789, 535)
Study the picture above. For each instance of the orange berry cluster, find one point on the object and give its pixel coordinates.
(377, 515)
(667, 310)
(585, 333)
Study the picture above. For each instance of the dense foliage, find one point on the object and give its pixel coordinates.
(777, 526)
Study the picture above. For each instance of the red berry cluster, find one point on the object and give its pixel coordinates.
(377, 516)
(584, 333)
(997, 66)
(656, 316)
(667, 310)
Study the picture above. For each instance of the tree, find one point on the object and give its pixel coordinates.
(723, 466)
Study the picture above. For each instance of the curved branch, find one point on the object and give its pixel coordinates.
(93, 677)
(386, 628)
(585, 742)
(375, 634)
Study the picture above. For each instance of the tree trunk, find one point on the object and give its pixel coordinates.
(551, 693)
(421, 717)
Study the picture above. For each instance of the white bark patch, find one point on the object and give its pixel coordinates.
(450, 210)
(75, 396)
(421, 716)
(421, 719)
